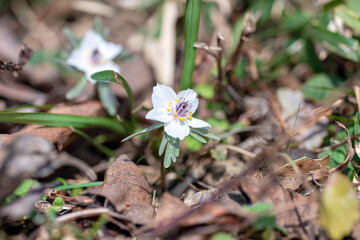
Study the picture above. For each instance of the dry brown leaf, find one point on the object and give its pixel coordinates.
(207, 219)
(295, 212)
(127, 189)
(307, 170)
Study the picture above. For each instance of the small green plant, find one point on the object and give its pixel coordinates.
(175, 113)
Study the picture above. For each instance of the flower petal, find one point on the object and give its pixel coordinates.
(100, 68)
(162, 96)
(110, 50)
(91, 40)
(190, 95)
(78, 60)
(176, 129)
(197, 123)
(158, 115)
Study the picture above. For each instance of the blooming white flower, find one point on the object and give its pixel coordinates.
(175, 110)
(94, 55)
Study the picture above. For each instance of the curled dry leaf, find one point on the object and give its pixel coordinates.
(127, 189)
(306, 170)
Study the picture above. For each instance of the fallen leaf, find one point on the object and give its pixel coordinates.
(127, 189)
(339, 206)
(306, 170)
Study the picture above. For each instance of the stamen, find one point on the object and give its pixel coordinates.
(96, 56)
(169, 110)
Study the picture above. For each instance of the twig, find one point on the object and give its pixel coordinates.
(240, 150)
(90, 213)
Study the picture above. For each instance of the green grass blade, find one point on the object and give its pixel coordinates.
(107, 98)
(81, 185)
(40, 107)
(192, 18)
(198, 137)
(62, 120)
(79, 87)
(177, 147)
(148, 129)
(111, 76)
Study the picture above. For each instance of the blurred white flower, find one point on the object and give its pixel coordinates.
(94, 55)
(176, 111)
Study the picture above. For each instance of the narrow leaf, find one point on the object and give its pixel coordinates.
(107, 98)
(163, 143)
(61, 120)
(148, 129)
(168, 155)
(197, 137)
(177, 147)
(97, 25)
(205, 133)
(71, 37)
(79, 87)
(192, 18)
(80, 185)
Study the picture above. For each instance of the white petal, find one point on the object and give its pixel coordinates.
(159, 115)
(78, 60)
(190, 95)
(110, 50)
(176, 129)
(197, 123)
(91, 40)
(162, 96)
(99, 68)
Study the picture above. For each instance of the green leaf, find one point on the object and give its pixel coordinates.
(168, 155)
(339, 206)
(22, 189)
(62, 120)
(197, 137)
(71, 37)
(57, 204)
(205, 133)
(107, 98)
(315, 87)
(177, 147)
(205, 90)
(80, 185)
(312, 57)
(339, 44)
(163, 143)
(111, 76)
(192, 19)
(148, 129)
(222, 236)
(97, 25)
(79, 87)
(350, 18)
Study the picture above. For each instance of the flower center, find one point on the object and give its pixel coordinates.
(181, 110)
(95, 56)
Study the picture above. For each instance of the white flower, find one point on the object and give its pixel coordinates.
(176, 111)
(94, 55)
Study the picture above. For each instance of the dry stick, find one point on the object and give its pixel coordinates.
(90, 213)
(220, 94)
(240, 150)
